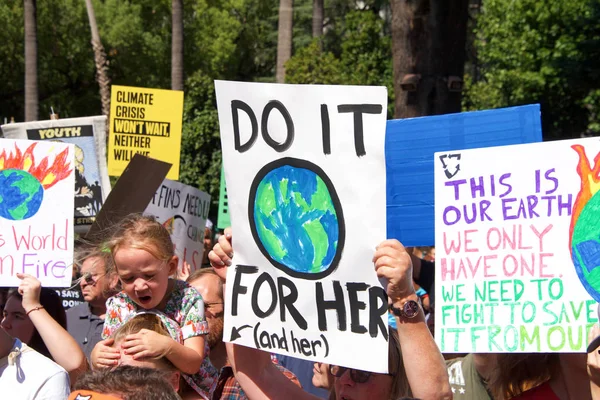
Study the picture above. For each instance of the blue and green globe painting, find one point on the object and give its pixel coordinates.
(585, 247)
(296, 218)
(21, 194)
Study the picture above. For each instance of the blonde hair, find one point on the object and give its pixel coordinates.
(142, 232)
(153, 323)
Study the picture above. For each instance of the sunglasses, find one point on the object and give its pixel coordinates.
(356, 375)
(89, 279)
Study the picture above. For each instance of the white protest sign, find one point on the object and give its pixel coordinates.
(183, 210)
(36, 211)
(518, 246)
(88, 134)
(305, 174)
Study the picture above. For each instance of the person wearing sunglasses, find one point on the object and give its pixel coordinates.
(86, 320)
(354, 383)
(418, 371)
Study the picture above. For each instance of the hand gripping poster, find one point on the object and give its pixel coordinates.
(88, 135)
(518, 247)
(305, 171)
(36, 211)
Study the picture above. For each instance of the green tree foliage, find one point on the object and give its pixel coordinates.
(538, 51)
(364, 56)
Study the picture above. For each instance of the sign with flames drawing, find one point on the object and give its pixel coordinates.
(36, 211)
(518, 247)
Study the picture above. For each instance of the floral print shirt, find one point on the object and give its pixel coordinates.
(186, 307)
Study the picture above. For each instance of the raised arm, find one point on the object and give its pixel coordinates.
(425, 367)
(62, 347)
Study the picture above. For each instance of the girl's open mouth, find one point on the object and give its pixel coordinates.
(145, 299)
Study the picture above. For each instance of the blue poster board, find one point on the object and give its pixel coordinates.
(409, 148)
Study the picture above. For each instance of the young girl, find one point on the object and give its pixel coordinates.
(144, 259)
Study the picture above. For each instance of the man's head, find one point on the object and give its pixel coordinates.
(97, 282)
(210, 286)
(127, 383)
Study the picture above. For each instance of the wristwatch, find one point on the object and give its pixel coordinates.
(409, 309)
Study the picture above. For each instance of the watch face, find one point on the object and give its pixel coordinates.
(410, 308)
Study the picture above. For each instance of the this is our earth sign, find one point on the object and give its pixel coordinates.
(305, 173)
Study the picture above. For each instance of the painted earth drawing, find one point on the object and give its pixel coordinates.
(23, 181)
(296, 218)
(585, 229)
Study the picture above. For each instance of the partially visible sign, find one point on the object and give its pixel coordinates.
(183, 210)
(36, 211)
(88, 134)
(517, 245)
(142, 177)
(146, 122)
(223, 220)
(409, 147)
(70, 297)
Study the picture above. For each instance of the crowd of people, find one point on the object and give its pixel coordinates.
(150, 330)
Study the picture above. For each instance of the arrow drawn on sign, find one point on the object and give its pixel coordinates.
(235, 332)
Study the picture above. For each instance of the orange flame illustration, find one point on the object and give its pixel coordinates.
(590, 183)
(47, 175)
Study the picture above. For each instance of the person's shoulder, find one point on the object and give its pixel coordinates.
(40, 361)
(79, 309)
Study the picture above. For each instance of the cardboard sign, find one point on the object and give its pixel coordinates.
(183, 210)
(88, 134)
(142, 177)
(517, 240)
(146, 122)
(223, 220)
(306, 181)
(36, 211)
(409, 148)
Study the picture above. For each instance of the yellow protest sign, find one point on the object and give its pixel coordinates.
(145, 121)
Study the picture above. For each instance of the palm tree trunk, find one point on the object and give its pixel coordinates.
(428, 45)
(100, 60)
(317, 19)
(31, 75)
(177, 45)
(284, 39)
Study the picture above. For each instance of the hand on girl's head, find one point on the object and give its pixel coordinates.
(222, 253)
(147, 343)
(104, 355)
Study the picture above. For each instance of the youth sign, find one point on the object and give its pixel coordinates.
(144, 121)
(517, 247)
(183, 210)
(305, 175)
(36, 211)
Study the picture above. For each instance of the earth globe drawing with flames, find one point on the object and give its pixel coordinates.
(585, 230)
(296, 218)
(23, 181)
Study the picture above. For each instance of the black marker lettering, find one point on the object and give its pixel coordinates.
(325, 129)
(264, 277)
(356, 305)
(279, 147)
(237, 286)
(240, 105)
(359, 110)
(287, 301)
(378, 305)
(337, 304)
